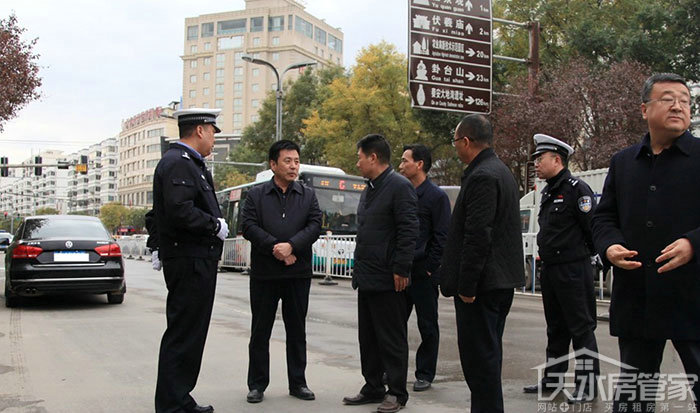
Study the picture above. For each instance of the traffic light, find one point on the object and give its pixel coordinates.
(4, 171)
(82, 167)
(37, 169)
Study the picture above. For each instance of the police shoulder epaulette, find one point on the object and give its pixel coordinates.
(573, 181)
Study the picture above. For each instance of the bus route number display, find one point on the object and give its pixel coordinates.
(339, 184)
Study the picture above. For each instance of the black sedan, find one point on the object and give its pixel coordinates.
(63, 254)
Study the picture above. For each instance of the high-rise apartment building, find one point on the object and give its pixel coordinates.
(278, 31)
(139, 152)
(87, 193)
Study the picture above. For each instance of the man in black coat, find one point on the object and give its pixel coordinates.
(434, 217)
(282, 220)
(190, 233)
(483, 260)
(647, 226)
(565, 243)
(386, 240)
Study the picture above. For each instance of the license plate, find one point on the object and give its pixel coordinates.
(71, 256)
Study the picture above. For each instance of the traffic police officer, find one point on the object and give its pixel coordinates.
(565, 246)
(190, 239)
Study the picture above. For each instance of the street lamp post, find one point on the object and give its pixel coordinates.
(278, 93)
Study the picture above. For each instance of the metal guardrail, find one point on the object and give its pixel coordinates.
(134, 248)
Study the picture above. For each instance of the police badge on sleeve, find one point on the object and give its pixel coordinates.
(585, 204)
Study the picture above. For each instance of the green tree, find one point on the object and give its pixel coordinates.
(136, 217)
(373, 99)
(662, 34)
(46, 211)
(113, 215)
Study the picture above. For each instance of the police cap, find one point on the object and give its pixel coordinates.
(545, 143)
(197, 116)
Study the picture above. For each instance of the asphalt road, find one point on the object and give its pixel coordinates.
(80, 354)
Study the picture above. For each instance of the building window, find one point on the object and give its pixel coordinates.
(238, 86)
(304, 27)
(255, 103)
(275, 23)
(320, 36)
(193, 93)
(205, 105)
(238, 71)
(155, 132)
(207, 61)
(256, 24)
(237, 117)
(231, 26)
(220, 74)
(207, 46)
(230, 42)
(205, 76)
(238, 56)
(193, 64)
(219, 90)
(237, 102)
(256, 55)
(193, 78)
(219, 103)
(220, 60)
(153, 148)
(273, 86)
(335, 43)
(290, 19)
(254, 87)
(193, 48)
(256, 72)
(275, 56)
(205, 91)
(207, 29)
(192, 32)
(256, 41)
(275, 41)
(254, 118)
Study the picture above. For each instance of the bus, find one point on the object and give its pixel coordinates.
(338, 196)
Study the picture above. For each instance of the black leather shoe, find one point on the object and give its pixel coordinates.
(200, 409)
(421, 385)
(361, 399)
(303, 393)
(582, 396)
(547, 386)
(254, 396)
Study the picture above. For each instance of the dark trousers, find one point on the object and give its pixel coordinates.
(381, 319)
(568, 296)
(191, 286)
(480, 328)
(423, 294)
(264, 297)
(646, 356)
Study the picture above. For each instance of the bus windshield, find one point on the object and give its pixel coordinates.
(339, 209)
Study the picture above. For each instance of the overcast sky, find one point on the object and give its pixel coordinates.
(105, 61)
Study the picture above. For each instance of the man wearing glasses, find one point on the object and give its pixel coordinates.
(648, 226)
(565, 245)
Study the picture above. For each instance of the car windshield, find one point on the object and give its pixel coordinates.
(63, 228)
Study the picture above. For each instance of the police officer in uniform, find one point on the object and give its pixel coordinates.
(190, 239)
(565, 246)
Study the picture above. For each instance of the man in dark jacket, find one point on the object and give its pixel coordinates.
(434, 217)
(648, 226)
(483, 260)
(565, 243)
(190, 233)
(282, 220)
(386, 240)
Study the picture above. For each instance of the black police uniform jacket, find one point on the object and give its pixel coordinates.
(484, 249)
(270, 217)
(649, 202)
(185, 207)
(386, 233)
(565, 220)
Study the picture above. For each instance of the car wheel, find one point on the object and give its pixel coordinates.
(115, 298)
(11, 300)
